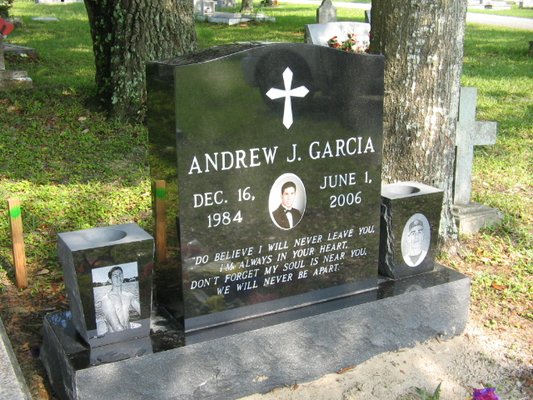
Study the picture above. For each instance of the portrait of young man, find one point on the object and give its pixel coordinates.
(116, 302)
(291, 194)
(415, 240)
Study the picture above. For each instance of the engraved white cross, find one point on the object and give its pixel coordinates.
(274, 94)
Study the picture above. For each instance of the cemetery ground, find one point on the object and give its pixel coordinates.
(74, 169)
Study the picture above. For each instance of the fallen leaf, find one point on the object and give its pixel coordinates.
(346, 369)
(43, 271)
(498, 287)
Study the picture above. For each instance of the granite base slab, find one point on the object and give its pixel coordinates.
(339, 334)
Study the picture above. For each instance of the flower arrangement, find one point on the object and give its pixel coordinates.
(485, 394)
(353, 44)
(478, 394)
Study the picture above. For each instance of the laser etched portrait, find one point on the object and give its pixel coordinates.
(416, 238)
(287, 201)
(116, 297)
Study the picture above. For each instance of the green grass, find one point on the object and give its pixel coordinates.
(70, 166)
(64, 47)
(289, 26)
(496, 62)
(499, 259)
(74, 169)
(513, 12)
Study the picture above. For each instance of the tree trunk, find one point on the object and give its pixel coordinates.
(126, 34)
(422, 42)
(247, 6)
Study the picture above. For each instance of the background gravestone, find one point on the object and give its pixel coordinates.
(247, 122)
(12, 383)
(470, 217)
(326, 12)
(10, 79)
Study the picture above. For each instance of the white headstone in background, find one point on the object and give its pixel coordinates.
(204, 7)
(11, 79)
(12, 383)
(2, 62)
(319, 34)
(326, 12)
(225, 3)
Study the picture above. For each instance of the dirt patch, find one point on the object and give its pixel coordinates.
(475, 359)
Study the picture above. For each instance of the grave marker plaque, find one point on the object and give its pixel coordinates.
(260, 127)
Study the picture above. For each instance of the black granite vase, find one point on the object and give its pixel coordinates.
(410, 217)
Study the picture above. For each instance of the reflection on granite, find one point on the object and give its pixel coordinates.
(165, 334)
(440, 275)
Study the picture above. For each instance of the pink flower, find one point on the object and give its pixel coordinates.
(485, 394)
(353, 44)
(334, 42)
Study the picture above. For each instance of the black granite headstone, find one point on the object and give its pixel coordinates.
(410, 215)
(108, 277)
(245, 129)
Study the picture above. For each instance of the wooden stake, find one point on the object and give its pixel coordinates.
(160, 195)
(17, 237)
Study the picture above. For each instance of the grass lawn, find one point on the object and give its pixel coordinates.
(74, 169)
(513, 12)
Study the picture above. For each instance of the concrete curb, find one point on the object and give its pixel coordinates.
(12, 383)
